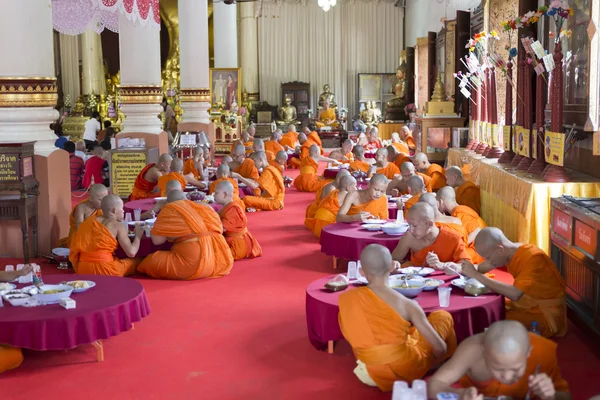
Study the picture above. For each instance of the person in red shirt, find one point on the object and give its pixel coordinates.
(76, 164)
(97, 168)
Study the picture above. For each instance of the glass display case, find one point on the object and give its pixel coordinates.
(434, 134)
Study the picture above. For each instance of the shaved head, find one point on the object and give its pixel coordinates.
(224, 186)
(429, 198)
(378, 179)
(164, 158)
(302, 138)
(395, 136)
(341, 173)
(314, 150)
(416, 184)
(98, 190)
(346, 181)
(226, 160)
(454, 176)
(421, 212)
(223, 171)
(358, 151)
(281, 156)
(446, 193)
(171, 185)
(488, 239)
(421, 157)
(258, 145)
(407, 167)
(391, 150)
(506, 348)
(238, 149)
(292, 128)
(175, 195)
(176, 165)
(376, 260)
(382, 152)
(454, 171)
(259, 157)
(110, 203)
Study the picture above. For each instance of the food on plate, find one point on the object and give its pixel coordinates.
(372, 226)
(432, 283)
(18, 296)
(52, 291)
(79, 284)
(404, 285)
(339, 282)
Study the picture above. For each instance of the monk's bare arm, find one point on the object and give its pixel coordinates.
(327, 159)
(485, 267)
(419, 320)
(79, 215)
(509, 291)
(130, 248)
(7, 276)
(342, 215)
(158, 240)
(473, 235)
(402, 248)
(152, 175)
(248, 182)
(194, 182)
(453, 369)
(393, 185)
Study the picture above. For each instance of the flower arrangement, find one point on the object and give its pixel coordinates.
(230, 119)
(410, 108)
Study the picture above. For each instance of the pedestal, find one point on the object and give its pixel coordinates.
(506, 157)
(554, 173)
(537, 167)
(524, 164)
(516, 160)
(495, 152)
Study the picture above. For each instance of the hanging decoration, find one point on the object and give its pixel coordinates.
(76, 17)
(142, 11)
(326, 4)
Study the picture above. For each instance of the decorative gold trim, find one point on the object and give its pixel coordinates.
(28, 92)
(195, 95)
(140, 94)
(28, 78)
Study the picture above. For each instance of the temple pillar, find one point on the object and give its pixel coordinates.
(69, 64)
(92, 66)
(225, 35)
(249, 49)
(28, 94)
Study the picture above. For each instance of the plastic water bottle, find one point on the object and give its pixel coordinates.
(534, 328)
(419, 388)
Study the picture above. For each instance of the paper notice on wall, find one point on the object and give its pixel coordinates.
(465, 92)
(506, 137)
(125, 167)
(538, 49)
(523, 142)
(554, 148)
(539, 69)
(527, 45)
(549, 62)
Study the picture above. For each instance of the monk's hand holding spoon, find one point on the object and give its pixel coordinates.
(364, 216)
(468, 269)
(139, 230)
(541, 386)
(471, 394)
(434, 261)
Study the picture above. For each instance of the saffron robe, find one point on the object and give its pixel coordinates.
(401, 158)
(448, 246)
(325, 214)
(437, 175)
(171, 176)
(412, 201)
(327, 118)
(468, 195)
(543, 353)
(391, 347)
(10, 358)
(189, 167)
(92, 251)
(389, 171)
(199, 251)
(142, 189)
(308, 180)
(358, 165)
(272, 191)
(235, 229)
(349, 156)
(401, 147)
(66, 241)
(379, 208)
(314, 137)
(410, 141)
(312, 207)
(248, 170)
(273, 146)
(236, 190)
(543, 289)
(471, 221)
(290, 139)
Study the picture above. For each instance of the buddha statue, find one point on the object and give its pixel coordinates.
(287, 113)
(327, 118)
(394, 109)
(368, 115)
(327, 96)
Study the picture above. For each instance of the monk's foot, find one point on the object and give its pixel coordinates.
(250, 209)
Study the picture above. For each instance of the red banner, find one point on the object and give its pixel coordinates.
(585, 238)
(562, 225)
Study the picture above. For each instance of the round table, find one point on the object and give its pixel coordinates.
(471, 314)
(147, 204)
(106, 310)
(330, 173)
(146, 248)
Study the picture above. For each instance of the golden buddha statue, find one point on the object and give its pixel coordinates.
(247, 106)
(394, 109)
(376, 111)
(327, 96)
(287, 113)
(368, 115)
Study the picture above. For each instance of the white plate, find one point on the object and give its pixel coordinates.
(79, 290)
(372, 227)
(151, 221)
(134, 223)
(241, 184)
(459, 283)
(417, 271)
(61, 252)
(7, 286)
(393, 278)
(376, 221)
(439, 281)
(157, 199)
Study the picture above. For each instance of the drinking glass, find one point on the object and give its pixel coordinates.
(444, 296)
(9, 268)
(128, 217)
(137, 214)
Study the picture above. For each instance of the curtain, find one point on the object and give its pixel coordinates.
(69, 66)
(298, 41)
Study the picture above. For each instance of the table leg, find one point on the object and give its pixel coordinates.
(25, 232)
(99, 350)
(334, 262)
(330, 346)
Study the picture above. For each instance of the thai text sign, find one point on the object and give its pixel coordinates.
(9, 168)
(125, 167)
(554, 148)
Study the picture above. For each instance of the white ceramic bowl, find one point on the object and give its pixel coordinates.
(421, 271)
(372, 227)
(416, 287)
(17, 300)
(91, 284)
(54, 297)
(435, 283)
(394, 228)
(61, 252)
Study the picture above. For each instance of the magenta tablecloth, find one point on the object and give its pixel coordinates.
(348, 240)
(108, 309)
(245, 191)
(370, 155)
(147, 204)
(293, 155)
(146, 248)
(330, 173)
(471, 314)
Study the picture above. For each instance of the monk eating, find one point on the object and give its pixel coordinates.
(224, 175)
(269, 185)
(416, 187)
(434, 171)
(146, 181)
(383, 166)
(346, 150)
(538, 291)
(440, 219)
(397, 158)
(398, 186)
(328, 208)
(360, 163)
(89, 208)
(176, 174)
(438, 247)
(362, 205)
(98, 238)
(467, 193)
(235, 225)
(194, 166)
(373, 140)
(273, 145)
(243, 166)
(399, 145)
(324, 191)
(408, 138)
(226, 160)
(245, 141)
(506, 360)
(390, 335)
(199, 248)
(12, 357)
(309, 180)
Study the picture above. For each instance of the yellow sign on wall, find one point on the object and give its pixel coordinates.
(554, 148)
(523, 141)
(506, 138)
(125, 167)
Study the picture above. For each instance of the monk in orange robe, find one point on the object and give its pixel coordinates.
(373, 141)
(259, 145)
(324, 191)
(328, 208)
(176, 174)
(362, 205)
(360, 163)
(538, 292)
(327, 118)
(467, 193)
(416, 187)
(309, 180)
(390, 335)
(434, 171)
(506, 360)
(408, 138)
(454, 224)
(383, 166)
(235, 225)
(399, 186)
(194, 166)
(98, 238)
(243, 166)
(146, 181)
(438, 247)
(273, 145)
(224, 174)
(346, 151)
(397, 158)
(289, 141)
(399, 145)
(270, 184)
(199, 249)
(246, 141)
(89, 208)
(313, 136)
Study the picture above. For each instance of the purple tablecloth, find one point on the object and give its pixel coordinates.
(330, 173)
(348, 240)
(471, 314)
(293, 155)
(106, 310)
(147, 204)
(146, 248)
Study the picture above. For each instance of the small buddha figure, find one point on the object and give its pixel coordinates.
(327, 96)
(327, 117)
(287, 113)
(395, 107)
(368, 115)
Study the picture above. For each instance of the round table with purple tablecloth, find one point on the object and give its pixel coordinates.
(471, 314)
(106, 310)
(147, 204)
(330, 173)
(146, 248)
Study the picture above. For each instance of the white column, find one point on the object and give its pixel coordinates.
(225, 34)
(193, 55)
(92, 65)
(249, 49)
(140, 92)
(69, 64)
(28, 91)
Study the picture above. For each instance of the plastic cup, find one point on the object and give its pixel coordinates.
(137, 214)
(128, 217)
(9, 268)
(147, 228)
(420, 388)
(444, 296)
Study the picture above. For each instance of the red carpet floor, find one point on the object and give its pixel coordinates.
(242, 336)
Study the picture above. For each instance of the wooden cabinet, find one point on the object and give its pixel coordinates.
(299, 93)
(434, 134)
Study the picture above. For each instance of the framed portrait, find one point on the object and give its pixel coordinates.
(225, 85)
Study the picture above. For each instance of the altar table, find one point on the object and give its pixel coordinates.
(471, 314)
(518, 202)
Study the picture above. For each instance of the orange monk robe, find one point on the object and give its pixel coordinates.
(66, 241)
(427, 181)
(448, 246)
(235, 229)
(391, 347)
(543, 354)
(378, 208)
(389, 171)
(462, 232)
(400, 159)
(273, 146)
(325, 214)
(314, 137)
(358, 165)
(272, 191)
(270, 156)
(246, 145)
(471, 221)
(248, 170)
(200, 250)
(92, 251)
(437, 175)
(189, 167)
(327, 115)
(142, 189)
(468, 195)
(401, 147)
(171, 176)
(544, 292)
(412, 201)
(349, 156)
(308, 180)
(290, 139)
(411, 142)
(236, 190)
(305, 149)
(312, 207)
(10, 358)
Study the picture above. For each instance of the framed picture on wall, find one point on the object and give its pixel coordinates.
(225, 84)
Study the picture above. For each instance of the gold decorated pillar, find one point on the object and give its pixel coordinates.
(422, 72)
